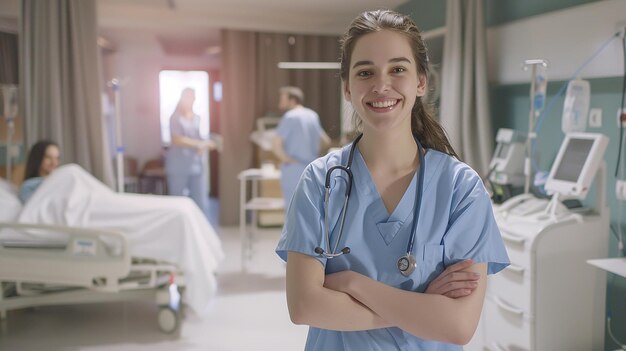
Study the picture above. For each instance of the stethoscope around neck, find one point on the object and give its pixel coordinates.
(406, 263)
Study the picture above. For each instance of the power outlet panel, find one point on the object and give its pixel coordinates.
(595, 118)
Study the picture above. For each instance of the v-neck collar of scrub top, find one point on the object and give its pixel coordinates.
(388, 224)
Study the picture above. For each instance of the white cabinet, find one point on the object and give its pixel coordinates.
(549, 298)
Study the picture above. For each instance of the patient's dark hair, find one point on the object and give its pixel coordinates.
(35, 156)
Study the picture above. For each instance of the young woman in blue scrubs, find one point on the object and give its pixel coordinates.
(360, 300)
(184, 162)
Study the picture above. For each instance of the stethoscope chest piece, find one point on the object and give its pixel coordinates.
(406, 264)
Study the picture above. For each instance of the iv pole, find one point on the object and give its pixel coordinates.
(115, 84)
(9, 95)
(532, 115)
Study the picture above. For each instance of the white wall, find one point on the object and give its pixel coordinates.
(565, 38)
(138, 60)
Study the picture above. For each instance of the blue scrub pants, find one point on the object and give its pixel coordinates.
(197, 184)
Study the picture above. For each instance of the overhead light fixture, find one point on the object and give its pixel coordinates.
(309, 65)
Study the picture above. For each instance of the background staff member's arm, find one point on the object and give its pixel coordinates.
(193, 143)
(427, 316)
(279, 151)
(325, 142)
(312, 303)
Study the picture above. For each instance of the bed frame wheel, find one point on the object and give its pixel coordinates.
(169, 319)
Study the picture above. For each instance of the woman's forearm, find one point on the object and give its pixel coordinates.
(313, 304)
(428, 316)
(334, 310)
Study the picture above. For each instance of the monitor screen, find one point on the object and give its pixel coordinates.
(573, 160)
(503, 150)
(576, 164)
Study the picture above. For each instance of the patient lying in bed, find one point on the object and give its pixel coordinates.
(167, 228)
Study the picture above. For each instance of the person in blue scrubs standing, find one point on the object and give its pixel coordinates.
(363, 299)
(186, 157)
(299, 138)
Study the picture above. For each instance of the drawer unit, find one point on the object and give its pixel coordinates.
(508, 325)
(548, 298)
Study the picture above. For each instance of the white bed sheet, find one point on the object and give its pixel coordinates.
(168, 228)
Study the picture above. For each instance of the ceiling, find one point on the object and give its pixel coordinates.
(192, 26)
(293, 16)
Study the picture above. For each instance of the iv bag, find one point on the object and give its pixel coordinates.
(576, 106)
(541, 83)
(8, 101)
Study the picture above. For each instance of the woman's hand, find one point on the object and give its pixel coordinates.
(454, 282)
(339, 281)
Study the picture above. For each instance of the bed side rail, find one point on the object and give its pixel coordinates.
(87, 257)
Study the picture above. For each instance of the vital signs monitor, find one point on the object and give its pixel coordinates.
(576, 164)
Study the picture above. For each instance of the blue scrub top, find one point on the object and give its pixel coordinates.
(300, 131)
(29, 187)
(182, 160)
(456, 222)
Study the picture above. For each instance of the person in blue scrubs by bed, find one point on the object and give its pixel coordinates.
(299, 138)
(42, 159)
(360, 300)
(186, 157)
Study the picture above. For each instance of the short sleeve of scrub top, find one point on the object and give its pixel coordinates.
(304, 222)
(283, 127)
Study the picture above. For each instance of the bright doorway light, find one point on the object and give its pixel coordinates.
(171, 84)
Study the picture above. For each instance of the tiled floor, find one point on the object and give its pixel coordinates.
(249, 313)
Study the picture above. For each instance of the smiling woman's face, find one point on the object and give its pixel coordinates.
(383, 82)
(50, 160)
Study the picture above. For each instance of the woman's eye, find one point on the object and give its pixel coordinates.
(398, 69)
(364, 73)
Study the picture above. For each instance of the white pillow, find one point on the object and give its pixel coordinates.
(10, 204)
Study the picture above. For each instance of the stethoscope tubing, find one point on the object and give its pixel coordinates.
(344, 209)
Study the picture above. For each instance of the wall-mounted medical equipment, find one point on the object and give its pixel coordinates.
(576, 106)
(548, 257)
(506, 174)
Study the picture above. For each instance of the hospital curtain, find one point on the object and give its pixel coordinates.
(321, 88)
(251, 79)
(60, 76)
(8, 58)
(240, 106)
(464, 92)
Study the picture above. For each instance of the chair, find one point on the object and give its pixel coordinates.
(152, 179)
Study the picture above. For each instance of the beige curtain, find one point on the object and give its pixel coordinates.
(239, 110)
(251, 79)
(464, 91)
(321, 87)
(60, 79)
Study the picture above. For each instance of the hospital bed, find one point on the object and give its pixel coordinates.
(87, 266)
(76, 241)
